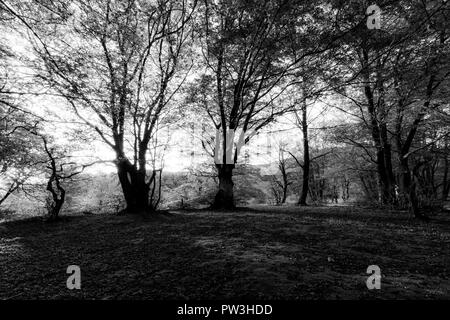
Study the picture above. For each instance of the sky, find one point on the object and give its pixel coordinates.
(262, 149)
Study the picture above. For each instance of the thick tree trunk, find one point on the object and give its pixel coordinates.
(58, 197)
(135, 189)
(367, 189)
(305, 182)
(56, 208)
(283, 199)
(224, 198)
(408, 188)
(407, 185)
(378, 130)
(389, 185)
(384, 176)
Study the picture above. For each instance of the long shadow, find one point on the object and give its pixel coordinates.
(121, 259)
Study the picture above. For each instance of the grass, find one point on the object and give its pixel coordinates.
(259, 253)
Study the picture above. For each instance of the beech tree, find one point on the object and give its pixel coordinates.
(396, 84)
(420, 73)
(18, 155)
(248, 58)
(118, 65)
(17, 149)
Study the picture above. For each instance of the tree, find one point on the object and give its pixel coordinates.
(18, 154)
(248, 58)
(419, 73)
(17, 149)
(401, 68)
(59, 170)
(281, 184)
(118, 65)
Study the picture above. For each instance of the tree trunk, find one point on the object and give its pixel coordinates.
(305, 183)
(54, 186)
(56, 207)
(135, 189)
(284, 175)
(386, 184)
(408, 188)
(378, 130)
(306, 157)
(283, 199)
(389, 173)
(224, 197)
(367, 190)
(407, 185)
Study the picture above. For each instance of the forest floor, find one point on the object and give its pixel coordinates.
(259, 253)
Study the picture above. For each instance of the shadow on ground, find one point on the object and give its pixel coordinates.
(262, 253)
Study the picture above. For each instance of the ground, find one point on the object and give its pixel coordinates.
(259, 253)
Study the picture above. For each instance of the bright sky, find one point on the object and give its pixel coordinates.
(262, 149)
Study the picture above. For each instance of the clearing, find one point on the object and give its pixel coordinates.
(258, 253)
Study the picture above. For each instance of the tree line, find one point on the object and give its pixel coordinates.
(123, 71)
